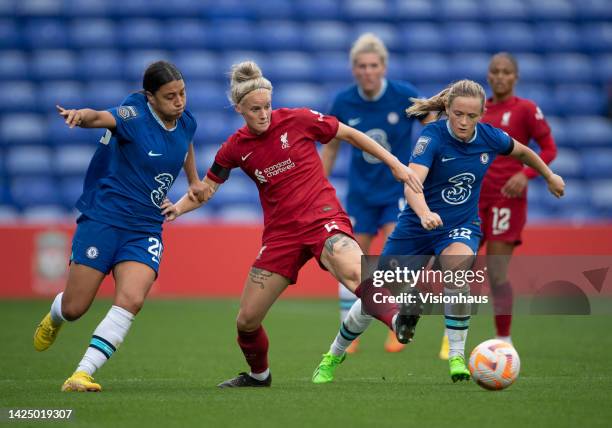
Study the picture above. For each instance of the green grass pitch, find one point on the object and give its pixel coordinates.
(178, 350)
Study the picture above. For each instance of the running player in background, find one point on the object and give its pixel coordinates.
(302, 215)
(375, 106)
(148, 140)
(451, 157)
(503, 198)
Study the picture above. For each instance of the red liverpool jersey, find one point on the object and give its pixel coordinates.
(523, 120)
(286, 167)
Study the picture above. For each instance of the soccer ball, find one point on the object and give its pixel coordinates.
(494, 364)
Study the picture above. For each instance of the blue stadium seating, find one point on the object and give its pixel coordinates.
(45, 214)
(30, 191)
(95, 34)
(18, 96)
(13, 65)
(239, 213)
(93, 54)
(422, 37)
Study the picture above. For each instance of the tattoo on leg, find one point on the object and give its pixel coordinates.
(344, 241)
(259, 276)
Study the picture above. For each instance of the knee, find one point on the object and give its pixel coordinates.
(248, 320)
(130, 301)
(72, 311)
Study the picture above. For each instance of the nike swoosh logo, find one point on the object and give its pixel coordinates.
(246, 156)
(154, 154)
(447, 159)
(355, 121)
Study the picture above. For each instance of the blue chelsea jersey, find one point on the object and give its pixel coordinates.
(385, 121)
(135, 166)
(456, 170)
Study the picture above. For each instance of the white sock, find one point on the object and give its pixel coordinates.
(457, 320)
(351, 328)
(260, 376)
(346, 299)
(57, 318)
(106, 339)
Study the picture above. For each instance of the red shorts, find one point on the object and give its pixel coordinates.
(503, 219)
(286, 254)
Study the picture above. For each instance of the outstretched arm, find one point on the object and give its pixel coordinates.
(187, 203)
(360, 140)
(556, 186)
(87, 118)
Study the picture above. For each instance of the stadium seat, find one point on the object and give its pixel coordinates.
(601, 195)
(94, 34)
(45, 214)
(68, 94)
(343, 160)
(207, 95)
(300, 95)
(542, 95)
(18, 96)
(367, 10)
(198, 65)
(568, 163)
(73, 160)
(142, 33)
(550, 10)
(39, 8)
(89, 9)
(558, 128)
(557, 37)
(233, 34)
(273, 9)
(584, 131)
(511, 37)
(24, 160)
(315, 9)
(10, 37)
(570, 68)
(54, 64)
(104, 94)
(387, 33)
(100, 64)
(46, 34)
(70, 189)
(596, 163)
(458, 10)
(531, 68)
(230, 9)
(30, 191)
(240, 213)
(334, 67)
(426, 67)
(181, 34)
(574, 100)
(420, 36)
(414, 10)
(603, 70)
(205, 156)
(137, 61)
(341, 186)
(507, 10)
(204, 214)
(8, 214)
(472, 66)
(239, 189)
(576, 195)
(22, 128)
(213, 127)
(465, 37)
(326, 36)
(13, 65)
(279, 35)
(597, 37)
(291, 66)
(230, 58)
(593, 10)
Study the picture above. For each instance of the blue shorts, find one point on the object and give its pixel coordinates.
(433, 242)
(368, 219)
(101, 246)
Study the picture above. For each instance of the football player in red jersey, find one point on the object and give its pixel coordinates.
(302, 215)
(503, 198)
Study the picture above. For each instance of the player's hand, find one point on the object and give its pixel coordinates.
(199, 192)
(72, 117)
(515, 186)
(556, 185)
(169, 210)
(405, 174)
(430, 221)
